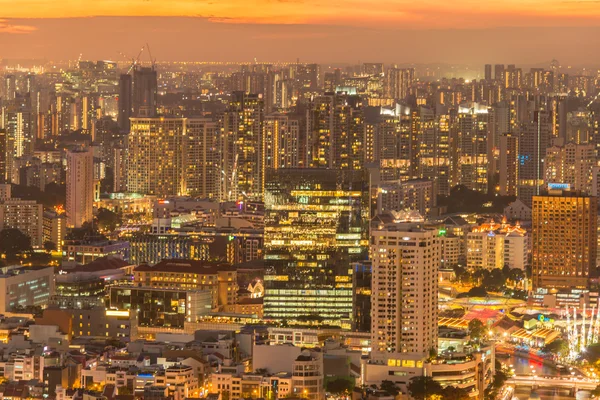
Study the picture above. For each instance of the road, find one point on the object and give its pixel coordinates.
(556, 382)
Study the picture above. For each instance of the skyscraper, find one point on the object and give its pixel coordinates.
(564, 239)
(157, 160)
(144, 92)
(398, 82)
(80, 187)
(472, 132)
(281, 141)
(125, 98)
(572, 164)
(405, 261)
(4, 153)
(240, 146)
(509, 164)
(203, 164)
(534, 139)
(316, 225)
(488, 72)
(335, 132)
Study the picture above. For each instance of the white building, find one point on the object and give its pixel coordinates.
(26, 286)
(494, 245)
(406, 258)
(308, 376)
(572, 164)
(80, 187)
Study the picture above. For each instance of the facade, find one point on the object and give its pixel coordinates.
(25, 286)
(564, 240)
(308, 376)
(572, 164)
(509, 164)
(86, 252)
(414, 194)
(495, 245)
(405, 259)
(315, 227)
(80, 187)
(24, 215)
(160, 307)
(203, 160)
(471, 132)
(220, 280)
(157, 162)
(54, 229)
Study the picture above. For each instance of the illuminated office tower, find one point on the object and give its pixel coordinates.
(4, 155)
(281, 141)
(316, 226)
(10, 87)
(240, 145)
(488, 72)
(90, 108)
(202, 159)
(572, 164)
(372, 68)
(144, 92)
(579, 128)
(156, 163)
(125, 98)
(119, 168)
(513, 77)
(564, 238)
(392, 143)
(399, 82)
(335, 131)
(471, 132)
(80, 187)
(534, 139)
(509, 164)
(433, 152)
(20, 127)
(405, 259)
(557, 108)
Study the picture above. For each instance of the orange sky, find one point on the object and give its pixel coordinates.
(449, 31)
(455, 14)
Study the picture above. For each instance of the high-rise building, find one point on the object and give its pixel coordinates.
(144, 92)
(509, 164)
(316, 226)
(405, 260)
(24, 215)
(488, 72)
(281, 141)
(4, 155)
(203, 158)
(534, 139)
(499, 72)
(471, 127)
(125, 99)
(399, 82)
(564, 239)
(54, 228)
(10, 87)
(335, 132)
(240, 147)
(572, 164)
(80, 187)
(119, 169)
(157, 160)
(392, 143)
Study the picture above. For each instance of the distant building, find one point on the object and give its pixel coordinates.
(24, 215)
(80, 187)
(564, 237)
(25, 286)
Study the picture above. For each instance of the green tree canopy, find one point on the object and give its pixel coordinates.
(476, 329)
(389, 387)
(107, 220)
(339, 386)
(558, 346)
(13, 242)
(454, 393)
(422, 387)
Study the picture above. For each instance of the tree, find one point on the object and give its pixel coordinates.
(477, 291)
(49, 246)
(422, 387)
(596, 392)
(454, 393)
(516, 275)
(107, 220)
(476, 329)
(558, 346)
(339, 386)
(389, 387)
(13, 242)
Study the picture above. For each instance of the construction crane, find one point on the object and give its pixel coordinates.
(152, 61)
(135, 61)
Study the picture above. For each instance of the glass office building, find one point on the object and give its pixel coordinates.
(316, 226)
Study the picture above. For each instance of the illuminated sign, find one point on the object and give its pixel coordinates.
(559, 186)
(117, 313)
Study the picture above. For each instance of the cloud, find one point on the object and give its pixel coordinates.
(7, 27)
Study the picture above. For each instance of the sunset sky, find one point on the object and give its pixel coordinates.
(528, 31)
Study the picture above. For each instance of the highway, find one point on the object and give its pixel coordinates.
(567, 383)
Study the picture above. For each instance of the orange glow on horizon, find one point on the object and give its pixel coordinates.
(394, 14)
